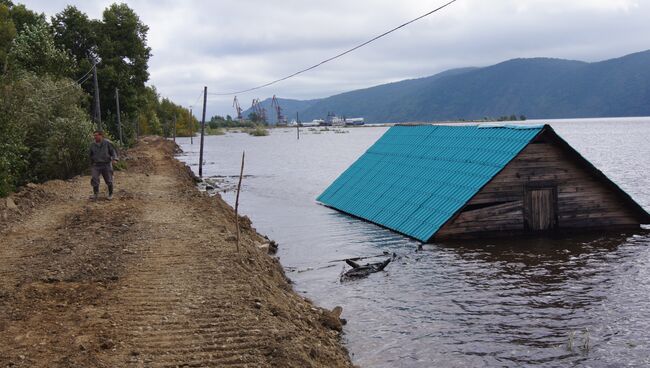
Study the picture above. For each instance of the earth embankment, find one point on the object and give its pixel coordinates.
(150, 279)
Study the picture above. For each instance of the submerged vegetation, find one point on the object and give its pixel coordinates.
(258, 131)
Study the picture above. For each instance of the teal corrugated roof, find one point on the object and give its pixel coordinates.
(414, 178)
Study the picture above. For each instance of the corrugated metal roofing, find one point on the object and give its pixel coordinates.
(414, 178)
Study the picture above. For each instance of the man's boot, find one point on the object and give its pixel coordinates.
(110, 192)
(95, 193)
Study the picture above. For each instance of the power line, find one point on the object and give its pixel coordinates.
(79, 81)
(198, 98)
(335, 56)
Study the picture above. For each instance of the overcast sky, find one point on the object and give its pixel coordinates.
(230, 45)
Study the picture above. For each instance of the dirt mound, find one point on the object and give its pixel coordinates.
(150, 279)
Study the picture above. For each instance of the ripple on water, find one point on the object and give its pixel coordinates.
(578, 301)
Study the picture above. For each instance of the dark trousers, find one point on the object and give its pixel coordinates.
(106, 171)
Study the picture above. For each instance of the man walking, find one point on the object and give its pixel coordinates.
(102, 156)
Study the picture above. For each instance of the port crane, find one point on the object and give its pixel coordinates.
(259, 110)
(278, 111)
(235, 104)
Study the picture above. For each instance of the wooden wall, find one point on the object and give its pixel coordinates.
(583, 200)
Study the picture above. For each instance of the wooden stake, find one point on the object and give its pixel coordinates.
(191, 127)
(174, 128)
(241, 175)
(205, 98)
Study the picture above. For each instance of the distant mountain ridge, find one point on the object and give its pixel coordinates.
(536, 88)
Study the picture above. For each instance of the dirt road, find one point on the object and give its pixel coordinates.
(150, 279)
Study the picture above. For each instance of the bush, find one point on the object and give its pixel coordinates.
(66, 150)
(44, 133)
(258, 131)
(214, 131)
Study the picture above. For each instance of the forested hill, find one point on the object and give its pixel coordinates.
(536, 88)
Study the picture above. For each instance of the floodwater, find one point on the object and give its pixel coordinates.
(578, 301)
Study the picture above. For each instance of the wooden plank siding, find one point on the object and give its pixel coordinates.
(583, 200)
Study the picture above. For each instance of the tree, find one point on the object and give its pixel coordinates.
(34, 50)
(42, 135)
(75, 32)
(7, 34)
(24, 17)
(254, 117)
(124, 56)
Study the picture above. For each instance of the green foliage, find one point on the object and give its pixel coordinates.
(169, 113)
(124, 54)
(7, 34)
(219, 122)
(258, 131)
(120, 165)
(43, 134)
(512, 117)
(148, 121)
(66, 147)
(34, 51)
(214, 131)
(74, 31)
(254, 117)
(24, 18)
(44, 124)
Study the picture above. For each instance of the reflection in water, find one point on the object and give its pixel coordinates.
(581, 300)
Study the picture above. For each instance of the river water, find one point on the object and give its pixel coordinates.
(578, 301)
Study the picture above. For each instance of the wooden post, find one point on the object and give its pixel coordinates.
(98, 111)
(298, 124)
(119, 121)
(191, 127)
(205, 97)
(241, 175)
(174, 128)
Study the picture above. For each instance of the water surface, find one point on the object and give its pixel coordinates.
(583, 300)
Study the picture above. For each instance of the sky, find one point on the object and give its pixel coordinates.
(231, 45)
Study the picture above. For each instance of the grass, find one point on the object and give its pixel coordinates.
(258, 131)
(214, 131)
(120, 165)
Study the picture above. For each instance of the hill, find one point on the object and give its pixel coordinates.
(536, 88)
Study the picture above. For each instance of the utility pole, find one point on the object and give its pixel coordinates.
(298, 124)
(205, 98)
(174, 128)
(119, 120)
(137, 127)
(191, 127)
(98, 111)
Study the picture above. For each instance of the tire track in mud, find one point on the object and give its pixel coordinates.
(151, 279)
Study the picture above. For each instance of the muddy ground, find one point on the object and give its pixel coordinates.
(150, 279)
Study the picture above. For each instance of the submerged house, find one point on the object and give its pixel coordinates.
(435, 181)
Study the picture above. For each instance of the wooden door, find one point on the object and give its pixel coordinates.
(540, 209)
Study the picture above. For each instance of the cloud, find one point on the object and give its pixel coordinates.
(233, 44)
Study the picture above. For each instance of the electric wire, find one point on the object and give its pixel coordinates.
(59, 95)
(78, 82)
(335, 56)
(198, 98)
